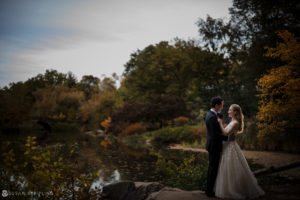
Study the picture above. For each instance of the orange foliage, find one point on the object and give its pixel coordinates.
(132, 129)
(105, 142)
(106, 123)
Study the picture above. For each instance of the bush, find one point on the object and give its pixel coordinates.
(135, 141)
(45, 174)
(180, 121)
(189, 175)
(136, 128)
(172, 135)
(199, 133)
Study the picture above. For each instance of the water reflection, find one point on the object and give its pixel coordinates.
(120, 162)
(104, 180)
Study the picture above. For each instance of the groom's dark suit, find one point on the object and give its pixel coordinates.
(214, 148)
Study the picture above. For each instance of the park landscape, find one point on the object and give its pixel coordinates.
(67, 138)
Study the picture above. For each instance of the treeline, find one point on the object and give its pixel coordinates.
(56, 97)
(251, 59)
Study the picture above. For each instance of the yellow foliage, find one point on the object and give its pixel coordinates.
(42, 171)
(279, 104)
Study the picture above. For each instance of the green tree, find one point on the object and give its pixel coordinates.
(89, 85)
(180, 69)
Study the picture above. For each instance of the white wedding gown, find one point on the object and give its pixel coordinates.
(235, 179)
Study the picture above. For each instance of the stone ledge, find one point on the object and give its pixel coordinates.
(128, 190)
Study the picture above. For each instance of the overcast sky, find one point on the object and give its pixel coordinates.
(91, 37)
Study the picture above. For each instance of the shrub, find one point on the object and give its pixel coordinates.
(180, 121)
(45, 174)
(172, 135)
(136, 128)
(189, 175)
(199, 133)
(135, 141)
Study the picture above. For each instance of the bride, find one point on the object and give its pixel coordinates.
(235, 179)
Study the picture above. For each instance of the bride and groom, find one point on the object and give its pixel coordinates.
(229, 175)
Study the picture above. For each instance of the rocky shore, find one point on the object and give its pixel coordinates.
(128, 190)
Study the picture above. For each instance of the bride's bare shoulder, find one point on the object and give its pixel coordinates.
(235, 123)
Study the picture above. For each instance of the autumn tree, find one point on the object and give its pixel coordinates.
(155, 113)
(57, 103)
(279, 108)
(97, 109)
(252, 26)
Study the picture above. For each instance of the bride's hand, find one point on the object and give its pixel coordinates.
(220, 121)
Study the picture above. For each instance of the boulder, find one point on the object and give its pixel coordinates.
(168, 193)
(127, 190)
(117, 191)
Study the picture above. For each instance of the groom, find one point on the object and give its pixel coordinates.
(214, 142)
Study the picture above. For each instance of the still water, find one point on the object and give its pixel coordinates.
(120, 162)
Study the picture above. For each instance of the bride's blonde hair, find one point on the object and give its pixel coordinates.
(239, 117)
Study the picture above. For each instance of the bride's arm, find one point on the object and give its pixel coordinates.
(229, 129)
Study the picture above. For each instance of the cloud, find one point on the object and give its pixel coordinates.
(91, 36)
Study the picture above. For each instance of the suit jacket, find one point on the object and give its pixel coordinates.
(214, 133)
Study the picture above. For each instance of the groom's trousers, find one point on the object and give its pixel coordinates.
(214, 159)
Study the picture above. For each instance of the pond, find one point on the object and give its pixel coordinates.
(115, 162)
(120, 162)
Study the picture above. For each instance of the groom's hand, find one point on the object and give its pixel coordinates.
(231, 137)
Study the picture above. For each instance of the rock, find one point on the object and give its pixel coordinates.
(95, 133)
(168, 193)
(117, 191)
(143, 190)
(128, 190)
(100, 132)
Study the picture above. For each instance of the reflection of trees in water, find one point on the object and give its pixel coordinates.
(106, 178)
(132, 164)
(139, 164)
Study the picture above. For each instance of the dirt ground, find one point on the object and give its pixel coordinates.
(281, 185)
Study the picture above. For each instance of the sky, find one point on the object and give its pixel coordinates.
(91, 37)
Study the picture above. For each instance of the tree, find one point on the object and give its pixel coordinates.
(15, 106)
(279, 108)
(251, 27)
(57, 103)
(108, 84)
(180, 69)
(89, 85)
(97, 109)
(158, 110)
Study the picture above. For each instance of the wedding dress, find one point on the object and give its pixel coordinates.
(235, 179)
